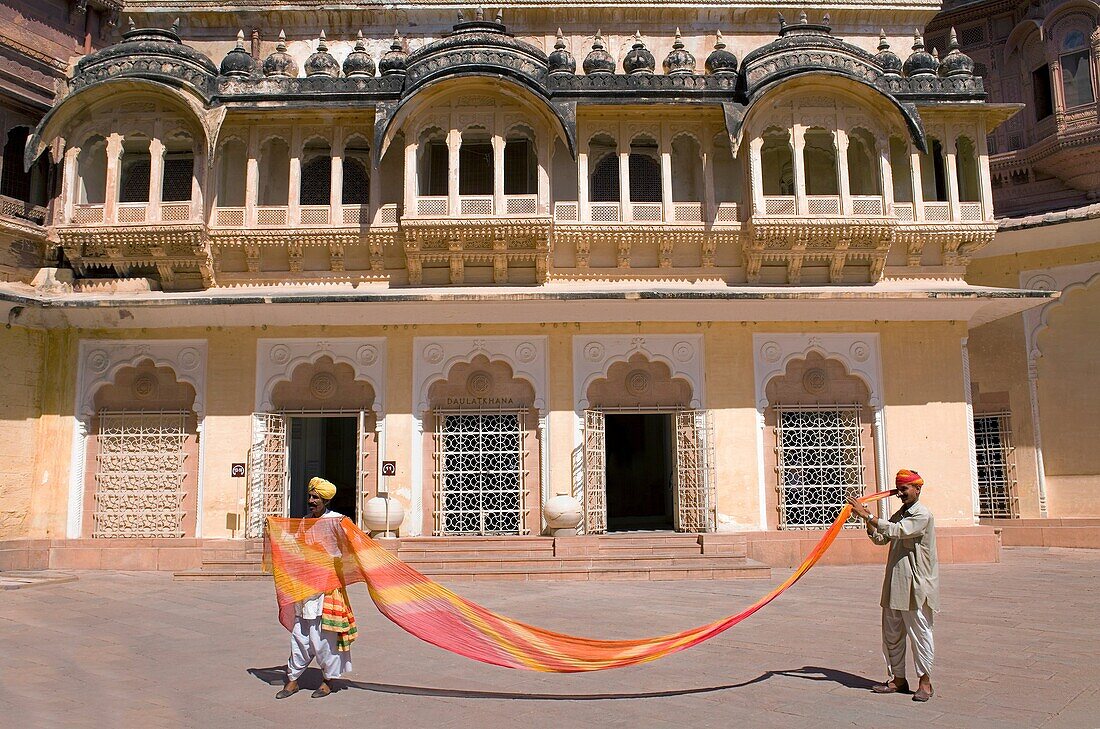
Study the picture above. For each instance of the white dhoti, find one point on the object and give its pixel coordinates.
(916, 625)
(308, 641)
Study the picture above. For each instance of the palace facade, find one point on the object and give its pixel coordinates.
(691, 268)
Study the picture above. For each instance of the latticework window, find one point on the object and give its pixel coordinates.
(316, 181)
(475, 168)
(139, 474)
(177, 178)
(134, 187)
(996, 466)
(604, 183)
(819, 462)
(356, 182)
(645, 179)
(479, 474)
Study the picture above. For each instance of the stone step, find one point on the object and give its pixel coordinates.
(748, 569)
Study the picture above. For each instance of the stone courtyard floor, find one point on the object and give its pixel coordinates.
(1018, 644)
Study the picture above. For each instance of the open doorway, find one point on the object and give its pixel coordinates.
(326, 447)
(641, 471)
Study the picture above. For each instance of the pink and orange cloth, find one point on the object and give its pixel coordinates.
(303, 568)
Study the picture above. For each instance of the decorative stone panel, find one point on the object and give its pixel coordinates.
(433, 358)
(593, 356)
(276, 360)
(859, 352)
(101, 359)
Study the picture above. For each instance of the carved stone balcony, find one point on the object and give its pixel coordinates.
(642, 214)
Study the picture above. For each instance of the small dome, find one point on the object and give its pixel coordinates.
(560, 60)
(280, 63)
(679, 61)
(886, 59)
(358, 63)
(598, 59)
(956, 63)
(638, 59)
(920, 61)
(321, 63)
(238, 62)
(396, 59)
(720, 60)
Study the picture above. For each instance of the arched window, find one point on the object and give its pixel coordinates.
(933, 172)
(1076, 70)
(603, 163)
(966, 164)
(687, 169)
(91, 169)
(15, 182)
(274, 173)
(133, 184)
(819, 161)
(232, 173)
(316, 183)
(433, 164)
(901, 169)
(645, 171)
(564, 187)
(179, 169)
(863, 171)
(475, 163)
(727, 173)
(777, 162)
(356, 185)
(520, 163)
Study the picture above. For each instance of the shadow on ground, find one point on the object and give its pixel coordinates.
(311, 679)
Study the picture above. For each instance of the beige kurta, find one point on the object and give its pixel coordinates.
(912, 571)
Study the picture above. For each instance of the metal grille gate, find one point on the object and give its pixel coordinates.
(996, 466)
(267, 471)
(696, 502)
(595, 473)
(819, 463)
(479, 479)
(139, 474)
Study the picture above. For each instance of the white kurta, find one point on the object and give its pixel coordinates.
(308, 641)
(910, 589)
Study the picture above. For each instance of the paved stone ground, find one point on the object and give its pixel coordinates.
(1018, 646)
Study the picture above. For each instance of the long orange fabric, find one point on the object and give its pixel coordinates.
(300, 553)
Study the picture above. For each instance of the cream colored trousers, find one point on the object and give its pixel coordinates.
(916, 625)
(308, 641)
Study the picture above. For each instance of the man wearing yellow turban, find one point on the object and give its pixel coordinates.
(910, 592)
(324, 625)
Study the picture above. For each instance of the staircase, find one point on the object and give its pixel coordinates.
(623, 556)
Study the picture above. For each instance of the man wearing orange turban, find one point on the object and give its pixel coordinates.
(910, 591)
(324, 625)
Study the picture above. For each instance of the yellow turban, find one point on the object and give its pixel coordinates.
(325, 489)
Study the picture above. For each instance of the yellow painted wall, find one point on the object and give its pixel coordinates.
(20, 408)
(923, 394)
(926, 418)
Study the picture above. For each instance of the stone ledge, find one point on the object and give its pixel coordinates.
(1083, 533)
(956, 545)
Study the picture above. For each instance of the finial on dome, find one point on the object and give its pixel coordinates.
(359, 39)
(130, 22)
(176, 25)
(802, 19)
(782, 21)
(500, 16)
(461, 17)
(281, 45)
(240, 38)
(825, 19)
(882, 44)
(479, 14)
(322, 45)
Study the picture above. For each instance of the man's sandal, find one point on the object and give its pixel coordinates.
(284, 694)
(891, 687)
(922, 695)
(321, 692)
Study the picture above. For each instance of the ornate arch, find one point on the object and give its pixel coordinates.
(858, 352)
(277, 359)
(594, 355)
(102, 359)
(433, 358)
(1067, 280)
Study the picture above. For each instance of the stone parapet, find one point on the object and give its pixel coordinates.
(956, 545)
(1076, 533)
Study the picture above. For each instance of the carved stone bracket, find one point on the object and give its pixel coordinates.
(503, 245)
(795, 242)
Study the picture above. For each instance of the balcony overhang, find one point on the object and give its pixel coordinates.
(901, 300)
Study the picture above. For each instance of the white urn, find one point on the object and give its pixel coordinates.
(382, 516)
(563, 514)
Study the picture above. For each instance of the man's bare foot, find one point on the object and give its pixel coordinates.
(290, 689)
(322, 691)
(893, 686)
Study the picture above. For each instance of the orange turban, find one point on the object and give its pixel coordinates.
(325, 489)
(910, 477)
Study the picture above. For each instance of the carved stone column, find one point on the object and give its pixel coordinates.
(915, 177)
(798, 163)
(542, 162)
(156, 178)
(69, 182)
(411, 180)
(498, 175)
(252, 178)
(454, 144)
(666, 180)
(951, 175)
(886, 175)
(844, 187)
(627, 212)
(294, 193)
(110, 198)
(584, 214)
(1033, 391)
(336, 180)
(709, 205)
(983, 174)
(756, 175)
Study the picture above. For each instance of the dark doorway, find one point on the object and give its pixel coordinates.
(640, 471)
(324, 447)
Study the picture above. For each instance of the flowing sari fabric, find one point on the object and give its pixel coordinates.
(302, 554)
